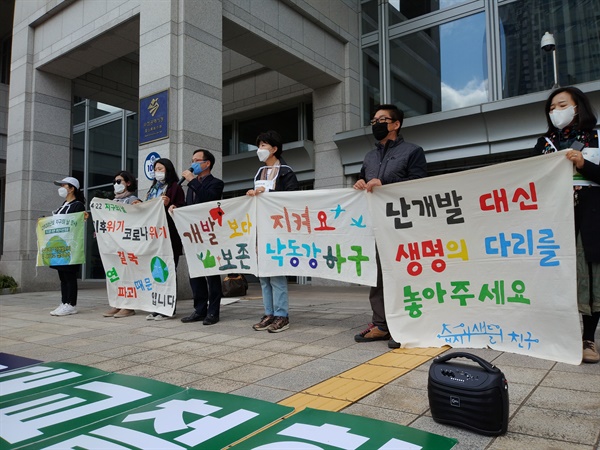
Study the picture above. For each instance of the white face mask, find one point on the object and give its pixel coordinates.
(119, 188)
(159, 176)
(561, 118)
(63, 192)
(263, 154)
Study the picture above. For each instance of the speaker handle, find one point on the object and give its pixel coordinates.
(482, 362)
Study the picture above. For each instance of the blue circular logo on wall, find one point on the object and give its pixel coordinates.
(149, 165)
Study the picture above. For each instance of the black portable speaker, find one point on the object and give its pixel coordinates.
(468, 396)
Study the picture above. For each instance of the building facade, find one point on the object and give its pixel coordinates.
(77, 76)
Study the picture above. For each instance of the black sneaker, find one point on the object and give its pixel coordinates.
(193, 317)
(393, 344)
(210, 320)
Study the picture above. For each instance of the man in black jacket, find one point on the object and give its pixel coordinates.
(391, 161)
(204, 187)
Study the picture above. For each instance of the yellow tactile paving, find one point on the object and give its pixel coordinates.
(344, 388)
(428, 351)
(341, 391)
(301, 401)
(377, 374)
(402, 360)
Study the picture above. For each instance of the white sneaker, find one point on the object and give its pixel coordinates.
(66, 310)
(57, 310)
(163, 317)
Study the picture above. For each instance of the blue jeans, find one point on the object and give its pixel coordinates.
(275, 295)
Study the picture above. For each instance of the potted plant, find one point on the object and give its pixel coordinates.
(8, 285)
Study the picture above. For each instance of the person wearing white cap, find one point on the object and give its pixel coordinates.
(74, 202)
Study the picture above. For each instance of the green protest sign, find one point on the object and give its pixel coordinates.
(188, 420)
(54, 412)
(313, 429)
(19, 383)
(60, 240)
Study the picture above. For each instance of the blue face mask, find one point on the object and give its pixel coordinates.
(196, 168)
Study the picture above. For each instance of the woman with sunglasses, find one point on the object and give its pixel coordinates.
(125, 186)
(166, 187)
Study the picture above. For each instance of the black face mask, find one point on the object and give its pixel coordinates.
(380, 130)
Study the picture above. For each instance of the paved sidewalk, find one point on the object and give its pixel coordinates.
(552, 405)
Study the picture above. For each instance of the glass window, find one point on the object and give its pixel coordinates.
(284, 122)
(132, 144)
(104, 159)
(440, 68)
(526, 67)
(309, 122)
(402, 10)
(79, 113)
(104, 153)
(227, 142)
(98, 109)
(371, 85)
(369, 16)
(78, 155)
(93, 267)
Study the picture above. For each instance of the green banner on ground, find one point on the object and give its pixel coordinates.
(22, 382)
(33, 418)
(188, 420)
(69, 406)
(312, 429)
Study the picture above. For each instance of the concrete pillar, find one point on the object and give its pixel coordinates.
(38, 152)
(336, 107)
(181, 50)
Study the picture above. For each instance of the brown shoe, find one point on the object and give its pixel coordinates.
(372, 333)
(264, 323)
(590, 354)
(124, 313)
(279, 324)
(111, 312)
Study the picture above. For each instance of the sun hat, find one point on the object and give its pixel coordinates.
(68, 180)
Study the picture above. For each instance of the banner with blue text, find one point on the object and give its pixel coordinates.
(483, 258)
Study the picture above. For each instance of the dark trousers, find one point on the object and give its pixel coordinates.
(376, 298)
(68, 286)
(207, 293)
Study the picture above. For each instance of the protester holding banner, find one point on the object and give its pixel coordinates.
(393, 160)
(203, 187)
(275, 175)
(166, 186)
(571, 125)
(125, 185)
(74, 202)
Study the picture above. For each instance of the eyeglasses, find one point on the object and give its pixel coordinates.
(201, 161)
(117, 181)
(382, 120)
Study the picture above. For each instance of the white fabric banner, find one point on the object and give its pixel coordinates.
(136, 252)
(218, 237)
(483, 258)
(323, 233)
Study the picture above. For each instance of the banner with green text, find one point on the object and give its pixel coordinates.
(483, 258)
(60, 240)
